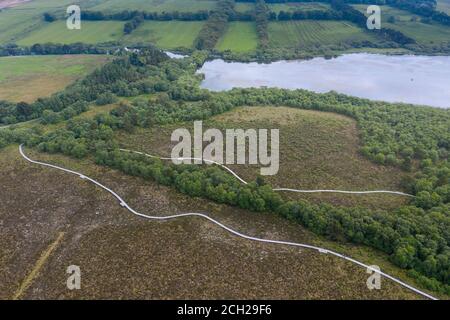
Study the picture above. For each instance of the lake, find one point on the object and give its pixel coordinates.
(423, 80)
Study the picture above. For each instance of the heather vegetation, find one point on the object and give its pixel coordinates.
(415, 236)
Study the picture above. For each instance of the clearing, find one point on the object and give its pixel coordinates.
(28, 78)
(318, 150)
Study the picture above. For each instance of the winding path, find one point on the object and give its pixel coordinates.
(236, 233)
(276, 189)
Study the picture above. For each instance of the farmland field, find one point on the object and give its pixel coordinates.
(309, 33)
(28, 78)
(240, 37)
(14, 24)
(243, 7)
(298, 6)
(388, 11)
(155, 5)
(17, 22)
(426, 34)
(410, 24)
(166, 34)
(91, 32)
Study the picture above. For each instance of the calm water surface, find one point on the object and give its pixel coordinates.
(410, 79)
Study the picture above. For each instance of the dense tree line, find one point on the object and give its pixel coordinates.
(201, 15)
(415, 236)
(216, 25)
(157, 16)
(133, 24)
(53, 48)
(49, 17)
(262, 22)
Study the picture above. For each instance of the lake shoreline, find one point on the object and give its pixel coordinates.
(409, 79)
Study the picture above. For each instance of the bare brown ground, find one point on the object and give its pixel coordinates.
(124, 256)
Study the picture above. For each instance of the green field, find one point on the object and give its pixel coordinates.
(243, 7)
(240, 37)
(298, 6)
(91, 32)
(17, 22)
(425, 34)
(411, 25)
(24, 25)
(166, 34)
(14, 24)
(387, 11)
(155, 5)
(28, 78)
(443, 5)
(308, 33)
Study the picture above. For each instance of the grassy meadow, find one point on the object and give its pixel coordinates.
(24, 24)
(166, 34)
(427, 34)
(19, 21)
(244, 7)
(155, 5)
(298, 6)
(28, 78)
(308, 33)
(91, 32)
(240, 37)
